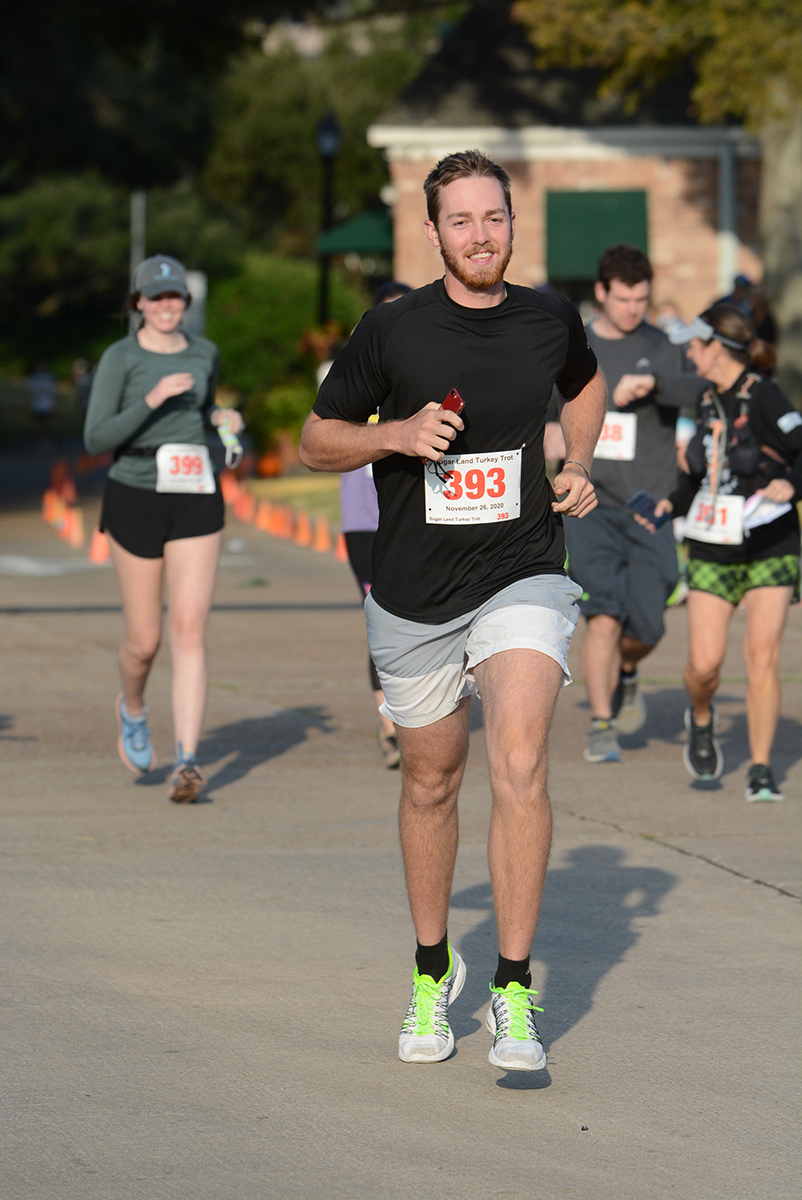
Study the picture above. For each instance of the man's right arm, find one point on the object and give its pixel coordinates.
(328, 444)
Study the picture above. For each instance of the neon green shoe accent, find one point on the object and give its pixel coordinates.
(425, 1033)
(511, 1020)
(514, 1019)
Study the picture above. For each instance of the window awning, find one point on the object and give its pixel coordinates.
(369, 233)
(580, 225)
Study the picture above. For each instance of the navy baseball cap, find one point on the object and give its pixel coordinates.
(160, 274)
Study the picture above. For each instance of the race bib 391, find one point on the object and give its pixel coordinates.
(473, 489)
(719, 519)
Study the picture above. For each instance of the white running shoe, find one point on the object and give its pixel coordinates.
(511, 1020)
(425, 1034)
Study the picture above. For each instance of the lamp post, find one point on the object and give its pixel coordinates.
(328, 137)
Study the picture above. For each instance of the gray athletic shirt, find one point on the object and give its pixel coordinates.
(118, 415)
(646, 351)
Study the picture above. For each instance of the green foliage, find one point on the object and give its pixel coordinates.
(280, 409)
(258, 317)
(264, 157)
(64, 261)
(63, 267)
(747, 53)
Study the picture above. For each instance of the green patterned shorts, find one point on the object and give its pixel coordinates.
(732, 580)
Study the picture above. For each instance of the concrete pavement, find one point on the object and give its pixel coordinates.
(205, 1002)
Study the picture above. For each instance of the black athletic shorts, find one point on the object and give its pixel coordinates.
(624, 571)
(141, 521)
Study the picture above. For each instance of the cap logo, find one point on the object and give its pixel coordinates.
(165, 270)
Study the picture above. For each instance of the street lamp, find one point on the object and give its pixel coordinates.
(328, 137)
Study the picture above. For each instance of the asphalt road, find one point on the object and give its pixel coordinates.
(205, 1002)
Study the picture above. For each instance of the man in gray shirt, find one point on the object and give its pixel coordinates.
(627, 574)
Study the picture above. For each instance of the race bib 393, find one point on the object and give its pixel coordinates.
(473, 489)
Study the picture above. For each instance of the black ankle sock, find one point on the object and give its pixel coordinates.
(625, 674)
(511, 970)
(433, 960)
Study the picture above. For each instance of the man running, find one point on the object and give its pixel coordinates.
(469, 590)
(627, 578)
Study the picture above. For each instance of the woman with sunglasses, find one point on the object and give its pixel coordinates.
(152, 398)
(742, 533)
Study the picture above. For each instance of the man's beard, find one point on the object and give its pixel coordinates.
(482, 279)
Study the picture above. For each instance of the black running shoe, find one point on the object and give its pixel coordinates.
(760, 784)
(702, 755)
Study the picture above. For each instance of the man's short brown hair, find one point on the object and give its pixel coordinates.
(462, 166)
(628, 264)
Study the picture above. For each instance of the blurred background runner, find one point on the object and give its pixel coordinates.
(627, 578)
(359, 520)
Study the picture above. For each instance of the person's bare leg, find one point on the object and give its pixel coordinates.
(708, 621)
(385, 724)
(191, 567)
(432, 765)
(632, 651)
(601, 663)
(766, 611)
(140, 583)
(519, 689)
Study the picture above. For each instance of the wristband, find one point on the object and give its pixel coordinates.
(577, 464)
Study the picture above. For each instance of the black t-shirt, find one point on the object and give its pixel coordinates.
(762, 416)
(504, 362)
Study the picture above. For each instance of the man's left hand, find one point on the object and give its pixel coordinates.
(632, 387)
(576, 495)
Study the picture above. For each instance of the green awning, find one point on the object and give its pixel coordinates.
(369, 233)
(580, 225)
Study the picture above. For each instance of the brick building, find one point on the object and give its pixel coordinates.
(585, 172)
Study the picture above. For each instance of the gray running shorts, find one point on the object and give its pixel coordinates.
(625, 571)
(425, 670)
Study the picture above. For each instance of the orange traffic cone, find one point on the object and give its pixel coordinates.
(341, 550)
(64, 526)
(229, 487)
(287, 523)
(75, 537)
(99, 548)
(303, 530)
(59, 513)
(49, 506)
(262, 519)
(322, 539)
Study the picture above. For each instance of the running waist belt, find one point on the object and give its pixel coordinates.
(136, 452)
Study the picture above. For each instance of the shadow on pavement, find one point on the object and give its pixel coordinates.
(665, 721)
(7, 723)
(250, 742)
(587, 925)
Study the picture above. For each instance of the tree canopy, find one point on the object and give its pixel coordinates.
(741, 50)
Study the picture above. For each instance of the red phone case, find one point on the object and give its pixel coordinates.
(454, 403)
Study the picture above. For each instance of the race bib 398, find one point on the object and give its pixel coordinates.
(473, 489)
(618, 437)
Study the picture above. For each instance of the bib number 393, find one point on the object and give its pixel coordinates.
(719, 520)
(473, 489)
(183, 467)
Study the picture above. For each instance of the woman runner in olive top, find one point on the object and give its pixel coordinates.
(152, 398)
(742, 534)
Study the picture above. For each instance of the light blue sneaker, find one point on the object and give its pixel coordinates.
(133, 743)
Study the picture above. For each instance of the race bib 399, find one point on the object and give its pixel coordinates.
(473, 489)
(184, 467)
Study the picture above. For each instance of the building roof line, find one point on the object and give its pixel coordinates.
(532, 142)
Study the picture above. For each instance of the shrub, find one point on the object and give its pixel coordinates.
(259, 317)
